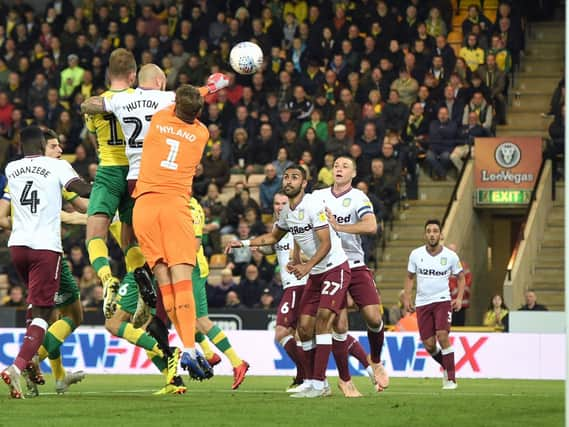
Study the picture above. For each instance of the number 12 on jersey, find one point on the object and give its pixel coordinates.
(170, 162)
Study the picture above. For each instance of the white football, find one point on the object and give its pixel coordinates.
(246, 58)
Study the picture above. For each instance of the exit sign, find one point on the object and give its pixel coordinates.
(503, 197)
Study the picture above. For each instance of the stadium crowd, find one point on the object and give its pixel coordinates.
(377, 79)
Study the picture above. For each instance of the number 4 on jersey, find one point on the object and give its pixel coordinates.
(30, 198)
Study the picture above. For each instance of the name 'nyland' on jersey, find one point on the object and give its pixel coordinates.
(348, 208)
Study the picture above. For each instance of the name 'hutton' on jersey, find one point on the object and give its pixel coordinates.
(303, 222)
(433, 273)
(134, 112)
(348, 208)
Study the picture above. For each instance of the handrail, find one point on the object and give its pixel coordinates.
(453, 197)
(521, 234)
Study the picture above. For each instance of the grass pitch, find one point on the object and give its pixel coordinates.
(125, 400)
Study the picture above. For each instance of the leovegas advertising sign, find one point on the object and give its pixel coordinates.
(505, 169)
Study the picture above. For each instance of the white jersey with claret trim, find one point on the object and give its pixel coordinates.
(35, 184)
(348, 207)
(284, 249)
(134, 110)
(302, 222)
(433, 272)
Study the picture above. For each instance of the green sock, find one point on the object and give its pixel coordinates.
(138, 337)
(56, 334)
(220, 340)
(158, 361)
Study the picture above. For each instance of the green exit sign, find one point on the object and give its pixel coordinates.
(503, 197)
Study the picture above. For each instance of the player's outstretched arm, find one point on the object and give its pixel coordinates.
(73, 218)
(263, 240)
(93, 105)
(80, 204)
(80, 187)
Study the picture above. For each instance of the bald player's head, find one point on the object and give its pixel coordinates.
(151, 76)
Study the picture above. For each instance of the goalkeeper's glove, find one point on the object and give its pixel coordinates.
(217, 81)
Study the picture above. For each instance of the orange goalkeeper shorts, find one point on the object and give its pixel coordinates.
(164, 228)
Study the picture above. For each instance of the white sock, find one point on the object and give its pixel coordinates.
(17, 369)
(369, 371)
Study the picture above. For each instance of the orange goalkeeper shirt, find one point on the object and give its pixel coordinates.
(172, 150)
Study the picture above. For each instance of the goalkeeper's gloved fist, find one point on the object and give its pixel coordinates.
(217, 81)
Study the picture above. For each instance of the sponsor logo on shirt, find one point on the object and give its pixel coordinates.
(299, 229)
(432, 272)
(343, 219)
(443, 261)
(284, 247)
(346, 202)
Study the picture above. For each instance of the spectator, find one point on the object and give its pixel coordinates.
(462, 70)
(397, 311)
(95, 299)
(265, 268)
(267, 301)
(251, 286)
(241, 148)
(6, 109)
(239, 258)
(495, 80)
(482, 109)
(264, 149)
(394, 113)
(282, 162)
(383, 188)
(473, 54)
(217, 295)
(215, 168)
(369, 142)
(78, 262)
(503, 55)
(459, 317)
(443, 49)
(255, 223)
(233, 301)
(469, 132)
(316, 123)
(442, 140)
(475, 17)
(16, 297)
(436, 25)
(212, 203)
(71, 77)
(454, 106)
(300, 107)
(88, 280)
(531, 302)
(69, 132)
(81, 162)
(340, 142)
(268, 188)
(391, 163)
(315, 146)
(325, 174)
(352, 110)
(406, 86)
(497, 314)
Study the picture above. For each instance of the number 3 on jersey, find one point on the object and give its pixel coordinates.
(30, 198)
(170, 162)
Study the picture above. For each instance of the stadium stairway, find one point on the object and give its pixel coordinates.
(407, 234)
(540, 72)
(550, 262)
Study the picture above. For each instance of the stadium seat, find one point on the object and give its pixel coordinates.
(267, 218)
(255, 179)
(235, 178)
(455, 37)
(214, 279)
(69, 157)
(218, 261)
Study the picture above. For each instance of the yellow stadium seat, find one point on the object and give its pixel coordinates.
(455, 37)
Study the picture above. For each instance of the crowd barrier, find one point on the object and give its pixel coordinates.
(477, 355)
